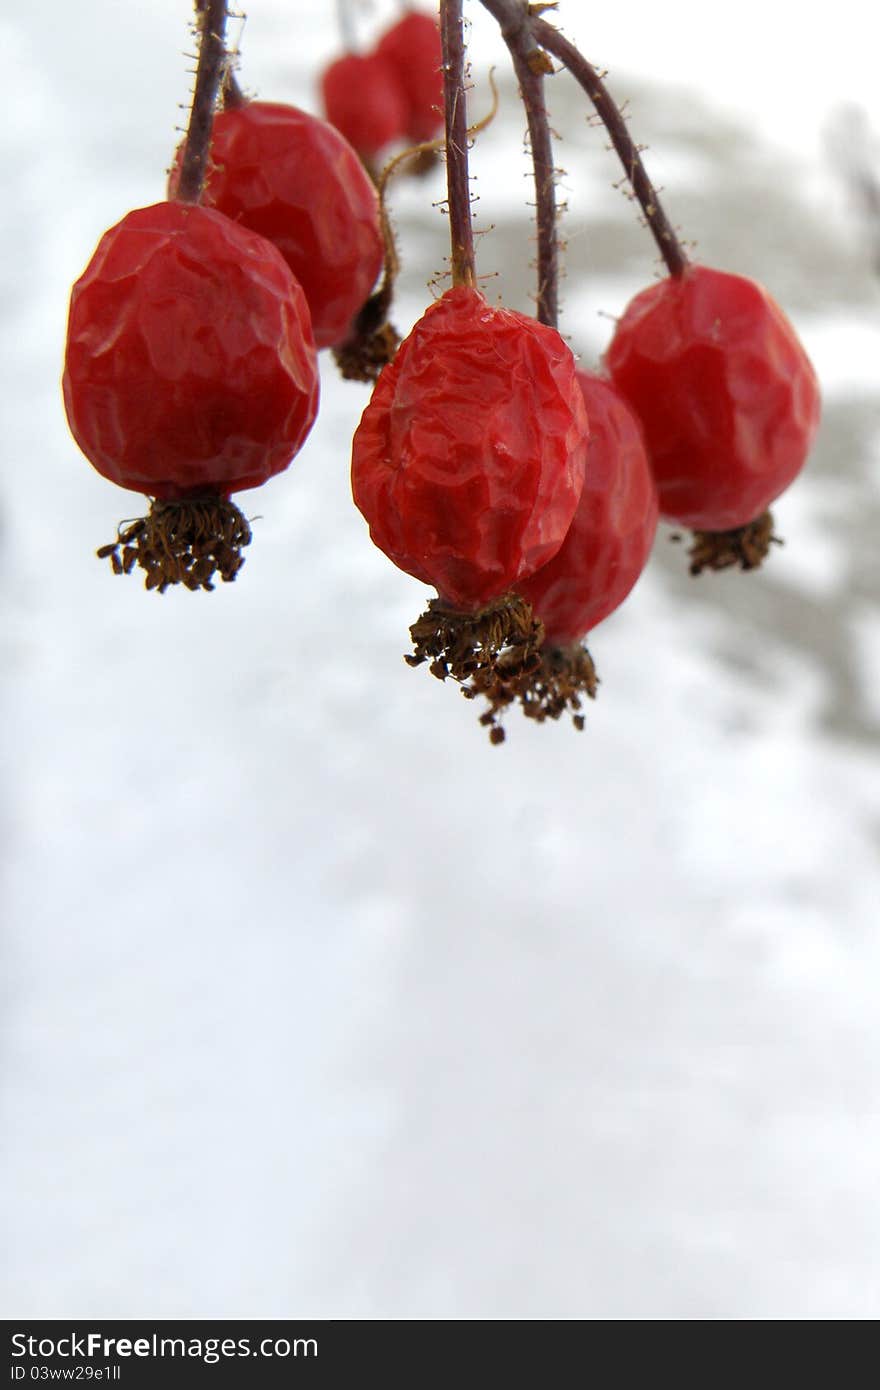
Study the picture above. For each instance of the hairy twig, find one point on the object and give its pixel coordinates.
(210, 73)
(455, 116)
(609, 113)
(530, 38)
(531, 64)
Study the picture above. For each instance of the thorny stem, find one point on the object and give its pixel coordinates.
(212, 64)
(628, 152)
(455, 116)
(531, 64)
(531, 85)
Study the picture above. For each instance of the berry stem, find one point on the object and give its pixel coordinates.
(210, 73)
(609, 113)
(531, 64)
(455, 116)
(531, 85)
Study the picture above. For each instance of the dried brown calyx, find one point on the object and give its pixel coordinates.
(746, 546)
(559, 684)
(499, 655)
(373, 340)
(423, 163)
(186, 542)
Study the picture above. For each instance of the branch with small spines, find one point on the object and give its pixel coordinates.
(530, 39)
(211, 71)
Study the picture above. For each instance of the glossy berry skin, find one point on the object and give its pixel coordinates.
(727, 397)
(363, 98)
(295, 180)
(468, 462)
(610, 538)
(412, 49)
(190, 367)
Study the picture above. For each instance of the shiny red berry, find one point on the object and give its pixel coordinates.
(190, 366)
(726, 395)
(294, 179)
(610, 538)
(412, 48)
(468, 462)
(363, 98)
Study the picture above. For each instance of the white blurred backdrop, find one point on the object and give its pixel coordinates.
(313, 1002)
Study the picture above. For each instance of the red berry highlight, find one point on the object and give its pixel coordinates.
(610, 538)
(468, 462)
(411, 47)
(363, 98)
(296, 181)
(190, 367)
(726, 395)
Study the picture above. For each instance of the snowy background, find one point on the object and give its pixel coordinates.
(313, 1003)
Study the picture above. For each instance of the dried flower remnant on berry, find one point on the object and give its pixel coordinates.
(745, 547)
(182, 543)
(490, 653)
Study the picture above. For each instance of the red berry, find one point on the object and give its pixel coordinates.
(412, 48)
(295, 180)
(190, 364)
(727, 397)
(610, 538)
(468, 461)
(363, 98)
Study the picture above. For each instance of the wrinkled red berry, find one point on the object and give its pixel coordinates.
(363, 98)
(190, 365)
(610, 538)
(727, 397)
(412, 48)
(294, 179)
(468, 461)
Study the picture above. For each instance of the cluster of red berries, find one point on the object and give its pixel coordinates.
(191, 365)
(526, 491)
(486, 465)
(392, 93)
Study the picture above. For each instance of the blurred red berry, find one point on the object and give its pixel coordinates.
(364, 99)
(190, 365)
(610, 538)
(294, 179)
(726, 395)
(468, 462)
(412, 49)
